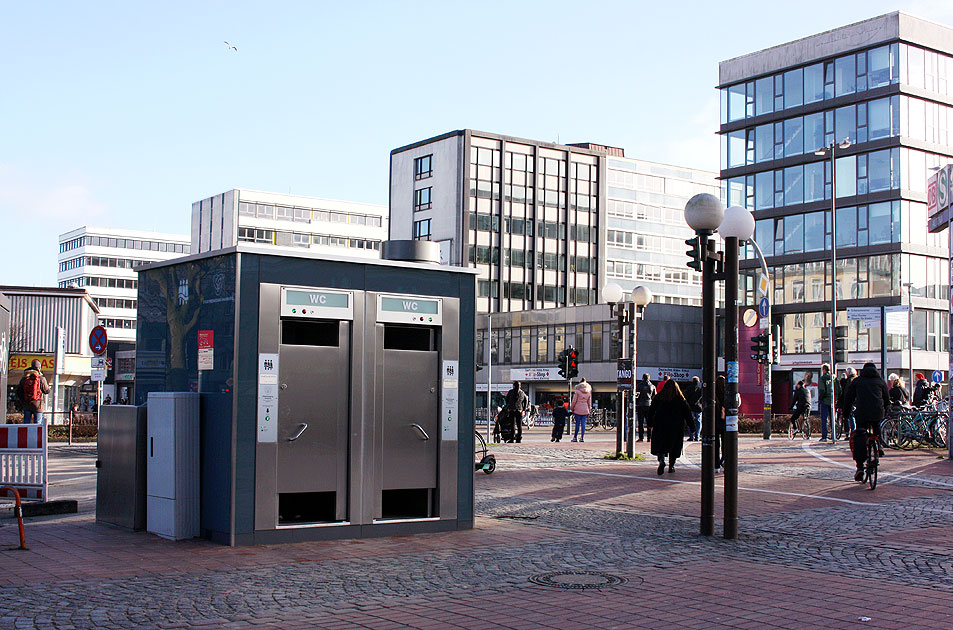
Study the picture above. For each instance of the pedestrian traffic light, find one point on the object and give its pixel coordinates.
(573, 370)
(776, 345)
(760, 348)
(563, 360)
(695, 253)
(840, 344)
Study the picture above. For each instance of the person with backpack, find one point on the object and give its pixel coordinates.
(30, 392)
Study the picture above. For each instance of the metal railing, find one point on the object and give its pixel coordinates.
(64, 424)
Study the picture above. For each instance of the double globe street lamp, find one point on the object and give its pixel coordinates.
(705, 214)
(628, 314)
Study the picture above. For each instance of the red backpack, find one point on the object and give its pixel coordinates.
(32, 390)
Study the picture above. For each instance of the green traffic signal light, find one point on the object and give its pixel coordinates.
(695, 253)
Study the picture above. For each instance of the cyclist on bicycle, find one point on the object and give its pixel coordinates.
(869, 396)
(802, 403)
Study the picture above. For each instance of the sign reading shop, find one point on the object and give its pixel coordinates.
(534, 374)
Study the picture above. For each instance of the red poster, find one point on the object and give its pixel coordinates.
(206, 339)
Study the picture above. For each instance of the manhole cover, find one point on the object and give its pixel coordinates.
(577, 579)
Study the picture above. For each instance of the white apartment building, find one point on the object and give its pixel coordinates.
(547, 224)
(646, 229)
(101, 260)
(346, 228)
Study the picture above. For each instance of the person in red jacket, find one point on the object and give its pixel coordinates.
(30, 392)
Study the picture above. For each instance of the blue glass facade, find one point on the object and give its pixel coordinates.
(892, 101)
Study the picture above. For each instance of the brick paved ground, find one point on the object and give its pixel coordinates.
(816, 551)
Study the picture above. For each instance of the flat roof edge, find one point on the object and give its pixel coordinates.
(264, 250)
(801, 51)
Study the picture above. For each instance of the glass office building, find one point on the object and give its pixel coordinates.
(885, 85)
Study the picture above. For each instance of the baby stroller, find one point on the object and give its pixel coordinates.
(506, 425)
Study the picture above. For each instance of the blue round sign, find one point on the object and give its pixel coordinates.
(97, 340)
(937, 376)
(763, 307)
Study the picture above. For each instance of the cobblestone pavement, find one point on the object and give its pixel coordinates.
(816, 551)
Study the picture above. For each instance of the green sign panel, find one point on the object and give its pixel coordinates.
(316, 299)
(409, 305)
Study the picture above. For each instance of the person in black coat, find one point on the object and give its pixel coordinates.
(670, 415)
(560, 416)
(802, 403)
(898, 393)
(869, 396)
(922, 391)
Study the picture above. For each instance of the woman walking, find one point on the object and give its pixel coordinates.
(670, 415)
(580, 406)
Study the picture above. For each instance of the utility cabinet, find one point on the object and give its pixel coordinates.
(336, 399)
(121, 466)
(172, 465)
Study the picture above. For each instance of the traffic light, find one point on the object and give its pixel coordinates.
(840, 344)
(563, 359)
(775, 345)
(695, 253)
(573, 370)
(760, 348)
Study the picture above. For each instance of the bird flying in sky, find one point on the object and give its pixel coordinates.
(230, 47)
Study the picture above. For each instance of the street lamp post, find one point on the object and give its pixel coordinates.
(489, 373)
(704, 214)
(641, 297)
(612, 294)
(830, 149)
(737, 227)
(909, 286)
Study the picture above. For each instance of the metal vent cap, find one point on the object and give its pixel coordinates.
(411, 251)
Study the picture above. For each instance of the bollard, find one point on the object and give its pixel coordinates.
(18, 509)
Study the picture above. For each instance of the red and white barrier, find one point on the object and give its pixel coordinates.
(23, 460)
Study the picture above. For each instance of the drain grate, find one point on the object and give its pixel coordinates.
(577, 579)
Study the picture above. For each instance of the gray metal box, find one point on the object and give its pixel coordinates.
(121, 467)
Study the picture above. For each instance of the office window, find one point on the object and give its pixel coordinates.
(422, 199)
(252, 235)
(423, 167)
(422, 230)
(301, 240)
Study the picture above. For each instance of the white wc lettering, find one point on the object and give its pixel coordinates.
(410, 306)
(317, 298)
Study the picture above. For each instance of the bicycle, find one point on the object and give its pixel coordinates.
(872, 462)
(802, 425)
(482, 460)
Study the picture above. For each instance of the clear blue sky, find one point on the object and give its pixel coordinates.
(123, 113)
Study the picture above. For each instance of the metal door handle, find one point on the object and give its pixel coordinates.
(421, 429)
(301, 429)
